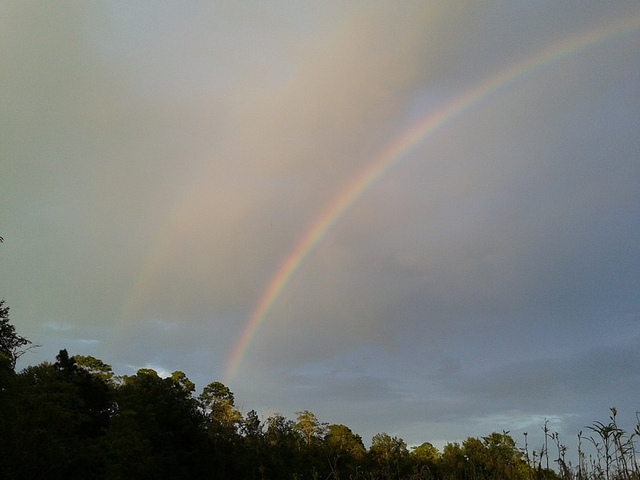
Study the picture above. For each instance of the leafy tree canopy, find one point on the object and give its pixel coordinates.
(11, 344)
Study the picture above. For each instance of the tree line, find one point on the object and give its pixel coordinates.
(75, 418)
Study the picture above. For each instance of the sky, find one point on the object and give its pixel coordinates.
(418, 218)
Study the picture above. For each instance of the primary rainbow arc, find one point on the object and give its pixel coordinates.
(391, 155)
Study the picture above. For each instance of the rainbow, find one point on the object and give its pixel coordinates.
(393, 154)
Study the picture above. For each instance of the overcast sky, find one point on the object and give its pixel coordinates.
(159, 161)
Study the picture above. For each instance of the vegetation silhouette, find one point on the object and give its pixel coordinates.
(75, 418)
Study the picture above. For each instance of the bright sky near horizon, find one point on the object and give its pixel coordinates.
(419, 218)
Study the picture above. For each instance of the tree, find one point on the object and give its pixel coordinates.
(502, 458)
(475, 454)
(11, 344)
(309, 427)
(158, 430)
(453, 463)
(345, 451)
(425, 453)
(56, 421)
(488, 458)
(253, 447)
(222, 424)
(282, 455)
(218, 400)
(425, 458)
(95, 367)
(180, 381)
(389, 455)
(251, 426)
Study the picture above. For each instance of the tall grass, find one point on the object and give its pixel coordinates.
(614, 455)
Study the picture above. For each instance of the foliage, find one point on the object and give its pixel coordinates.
(75, 418)
(57, 416)
(425, 459)
(389, 455)
(96, 368)
(157, 430)
(309, 428)
(11, 344)
(345, 451)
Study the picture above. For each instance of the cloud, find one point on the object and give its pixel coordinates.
(160, 162)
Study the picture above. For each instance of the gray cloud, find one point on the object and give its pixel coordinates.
(160, 162)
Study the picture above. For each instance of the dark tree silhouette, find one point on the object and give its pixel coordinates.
(11, 344)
